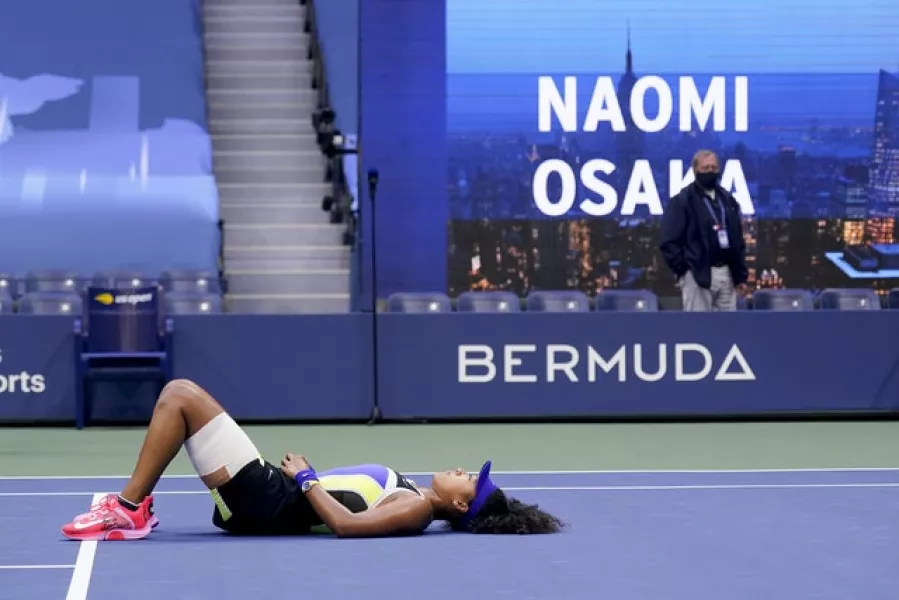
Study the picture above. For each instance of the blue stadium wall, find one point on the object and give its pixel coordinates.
(458, 366)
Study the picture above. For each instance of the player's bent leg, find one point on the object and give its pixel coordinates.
(219, 450)
(187, 415)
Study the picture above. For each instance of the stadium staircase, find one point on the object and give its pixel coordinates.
(281, 253)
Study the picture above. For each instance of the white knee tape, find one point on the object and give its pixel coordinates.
(220, 443)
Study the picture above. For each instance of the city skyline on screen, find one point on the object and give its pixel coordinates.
(818, 164)
(674, 36)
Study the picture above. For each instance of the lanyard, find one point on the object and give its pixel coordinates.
(723, 221)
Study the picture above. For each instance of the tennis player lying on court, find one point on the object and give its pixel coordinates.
(254, 497)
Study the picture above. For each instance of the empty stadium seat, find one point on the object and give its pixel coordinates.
(120, 341)
(192, 303)
(116, 327)
(9, 284)
(53, 281)
(849, 299)
(893, 298)
(627, 300)
(190, 281)
(422, 302)
(488, 302)
(127, 283)
(6, 303)
(558, 301)
(123, 280)
(783, 300)
(51, 303)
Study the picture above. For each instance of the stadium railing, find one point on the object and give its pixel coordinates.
(333, 48)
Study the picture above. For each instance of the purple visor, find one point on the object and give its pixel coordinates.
(483, 488)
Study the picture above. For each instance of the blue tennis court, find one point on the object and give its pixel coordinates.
(823, 534)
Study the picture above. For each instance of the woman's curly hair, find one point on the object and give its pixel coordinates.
(501, 514)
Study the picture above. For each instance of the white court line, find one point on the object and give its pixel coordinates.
(84, 565)
(28, 567)
(497, 472)
(560, 488)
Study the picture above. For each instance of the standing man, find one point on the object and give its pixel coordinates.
(702, 240)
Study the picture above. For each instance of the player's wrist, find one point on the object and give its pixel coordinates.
(307, 479)
(308, 486)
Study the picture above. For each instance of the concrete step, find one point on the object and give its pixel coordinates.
(265, 212)
(297, 252)
(306, 234)
(260, 304)
(249, 93)
(249, 2)
(232, 38)
(273, 192)
(271, 142)
(274, 52)
(293, 85)
(225, 160)
(213, 10)
(234, 47)
(334, 281)
(311, 264)
(298, 258)
(254, 24)
(258, 68)
(266, 258)
(260, 126)
(231, 110)
(298, 174)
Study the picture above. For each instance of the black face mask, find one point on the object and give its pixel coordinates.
(707, 180)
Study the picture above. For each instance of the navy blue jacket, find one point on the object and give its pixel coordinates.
(687, 228)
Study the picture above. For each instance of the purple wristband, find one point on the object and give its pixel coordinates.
(306, 475)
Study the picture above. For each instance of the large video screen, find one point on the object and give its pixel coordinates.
(105, 153)
(569, 125)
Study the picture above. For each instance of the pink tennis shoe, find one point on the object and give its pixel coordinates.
(109, 520)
